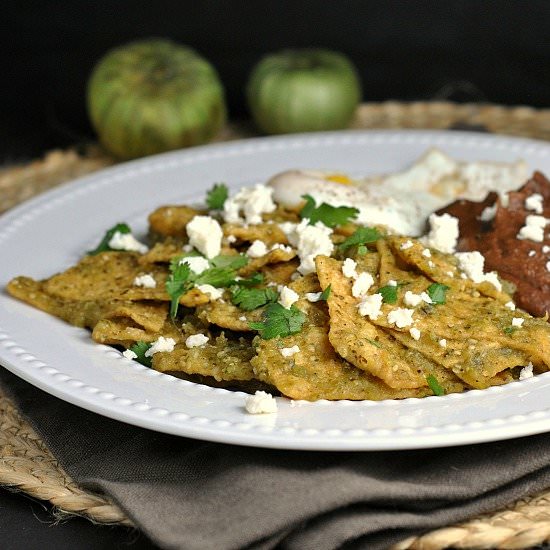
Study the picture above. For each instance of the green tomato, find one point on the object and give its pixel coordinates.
(303, 91)
(154, 95)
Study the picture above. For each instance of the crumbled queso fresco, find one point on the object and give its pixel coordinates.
(261, 403)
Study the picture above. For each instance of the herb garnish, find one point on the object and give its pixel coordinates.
(103, 246)
(437, 292)
(375, 343)
(360, 237)
(329, 215)
(435, 386)
(254, 280)
(510, 330)
(389, 293)
(252, 298)
(177, 285)
(279, 321)
(139, 348)
(325, 294)
(216, 196)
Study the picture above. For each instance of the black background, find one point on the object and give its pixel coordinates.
(496, 51)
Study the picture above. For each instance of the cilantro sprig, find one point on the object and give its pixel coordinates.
(216, 196)
(252, 298)
(103, 246)
(331, 216)
(435, 386)
(279, 321)
(139, 348)
(437, 292)
(177, 285)
(361, 237)
(223, 273)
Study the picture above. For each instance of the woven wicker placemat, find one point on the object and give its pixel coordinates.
(26, 464)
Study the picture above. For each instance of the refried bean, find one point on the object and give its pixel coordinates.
(523, 262)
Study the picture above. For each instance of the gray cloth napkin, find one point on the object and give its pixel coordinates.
(196, 495)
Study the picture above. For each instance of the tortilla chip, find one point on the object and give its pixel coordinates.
(281, 273)
(221, 358)
(269, 233)
(272, 257)
(170, 221)
(149, 315)
(228, 316)
(358, 340)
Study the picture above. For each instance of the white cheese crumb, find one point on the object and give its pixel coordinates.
(526, 372)
(415, 333)
(545, 249)
(289, 352)
(196, 340)
(517, 322)
(412, 299)
(443, 343)
(504, 200)
(313, 296)
(205, 234)
(431, 264)
(406, 245)
(257, 249)
(252, 201)
(426, 253)
(287, 296)
(534, 202)
(391, 282)
(161, 344)
(243, 318)
(349, 268)
(231, 239)
(533, 229)
(197, 264)
(187, 248)
(510, 305)
(260, 403)
(126, 241)
(295, 276)
(401, 317)
(471, 263)
(488, 213)
(371, 306)
(145, 281)
(443, 233)
(129, 354)
(547, 266)
(532, 253)
(310, 241)
(211, 291)
(362, 284)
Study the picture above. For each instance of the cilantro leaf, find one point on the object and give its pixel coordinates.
(329, 215)
(232, 262)
(252, 298)
(216, 196)
(103, 246)
(389, 294)
(254, 280)
(177, 284)
(216, 276)
(361, 236)
(509, 330)
(437, 292)
(362, 250)
(435, 386)
(325, 294)
(279, 321)
(139, 348)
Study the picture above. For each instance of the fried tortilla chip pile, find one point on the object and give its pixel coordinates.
(382, 319)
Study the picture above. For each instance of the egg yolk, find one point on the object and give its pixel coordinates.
(339, 178)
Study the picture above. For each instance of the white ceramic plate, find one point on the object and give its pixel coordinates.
(51, 232)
